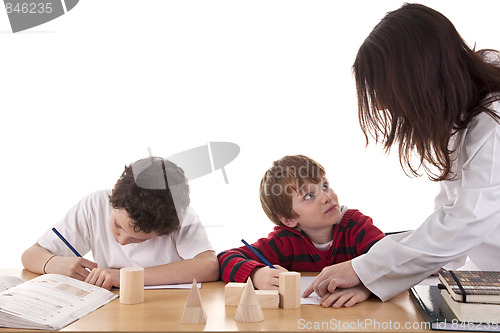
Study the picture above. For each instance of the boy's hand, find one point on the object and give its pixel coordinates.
(106, 278)
(75, 267)
(267, 278)
(346, 297)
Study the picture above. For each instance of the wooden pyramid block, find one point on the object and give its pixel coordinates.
(194, 313)
(249, 309)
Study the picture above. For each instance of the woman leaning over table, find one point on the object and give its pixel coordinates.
(421, 88)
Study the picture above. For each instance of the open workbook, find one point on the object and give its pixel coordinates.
(50, 301)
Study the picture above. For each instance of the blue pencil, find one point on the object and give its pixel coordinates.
(258, 254)
(66, 242)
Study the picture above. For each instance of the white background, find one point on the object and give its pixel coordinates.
(87, 93)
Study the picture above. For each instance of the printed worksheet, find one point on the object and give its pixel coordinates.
(50, 301)
(7, 282)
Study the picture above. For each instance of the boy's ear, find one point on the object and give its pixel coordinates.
(291, 223)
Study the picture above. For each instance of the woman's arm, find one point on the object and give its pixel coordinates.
(468, 219)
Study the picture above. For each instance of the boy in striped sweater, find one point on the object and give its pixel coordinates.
(312, 230)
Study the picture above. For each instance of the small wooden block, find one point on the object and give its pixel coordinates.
(289, 290)
(194, 313)
(233, 292)
(268, 299)
(249, 309)
(131, 285)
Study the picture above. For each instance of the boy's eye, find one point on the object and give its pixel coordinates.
(325, 186)
(308, 196)
(116, 224)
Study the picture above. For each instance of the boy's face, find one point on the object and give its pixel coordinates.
(317, 206)
(123, 230)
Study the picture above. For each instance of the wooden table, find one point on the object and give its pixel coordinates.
(162, 311)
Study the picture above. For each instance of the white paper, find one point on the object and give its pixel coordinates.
(305, 281)
(173, 286)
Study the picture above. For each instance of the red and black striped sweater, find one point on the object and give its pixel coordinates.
(293, 250)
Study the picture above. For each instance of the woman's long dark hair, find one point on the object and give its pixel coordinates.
(418, 83)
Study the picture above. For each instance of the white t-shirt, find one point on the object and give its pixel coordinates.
(86, 227)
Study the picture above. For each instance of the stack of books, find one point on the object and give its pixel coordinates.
(445, 306)
(473, 296)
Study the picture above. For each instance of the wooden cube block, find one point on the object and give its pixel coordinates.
(233, 292)
(268, 299)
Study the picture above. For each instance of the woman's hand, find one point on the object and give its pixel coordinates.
(332, 277)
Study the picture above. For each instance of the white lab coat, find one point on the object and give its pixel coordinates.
(466, 221)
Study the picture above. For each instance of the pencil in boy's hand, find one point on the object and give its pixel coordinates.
(258, 254)
(66, 242)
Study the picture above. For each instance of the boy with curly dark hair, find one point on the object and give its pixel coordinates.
(144, 221)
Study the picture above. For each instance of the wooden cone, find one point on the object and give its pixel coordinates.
(249, 309)
(194, 313)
